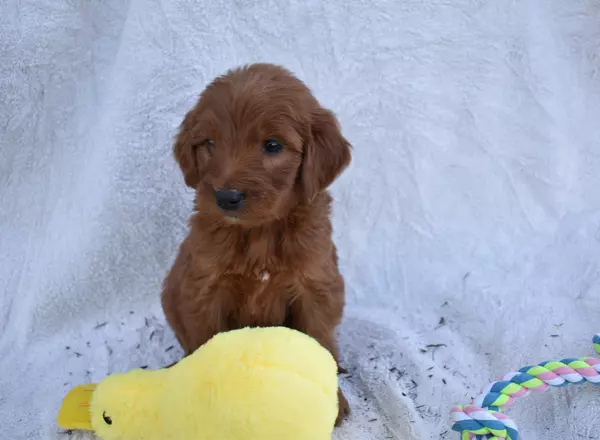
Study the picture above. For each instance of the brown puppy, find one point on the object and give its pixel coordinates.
(260, 152)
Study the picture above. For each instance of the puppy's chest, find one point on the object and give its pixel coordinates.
(256, 280)
(259, 299)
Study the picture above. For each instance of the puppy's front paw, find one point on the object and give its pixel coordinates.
(343, 408)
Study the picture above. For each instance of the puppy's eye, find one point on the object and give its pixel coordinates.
(208, 144)
(106, 418)
(272, 147)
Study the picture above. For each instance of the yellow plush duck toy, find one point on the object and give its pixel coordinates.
(250, 384)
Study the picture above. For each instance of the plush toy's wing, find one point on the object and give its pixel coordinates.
(75, 409)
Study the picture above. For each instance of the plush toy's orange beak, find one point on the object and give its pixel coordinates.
(75, 409)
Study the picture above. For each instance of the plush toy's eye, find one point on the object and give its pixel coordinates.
(106, 418)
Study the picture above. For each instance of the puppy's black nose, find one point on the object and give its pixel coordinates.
(229, 199)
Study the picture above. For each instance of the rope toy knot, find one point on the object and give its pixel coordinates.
(482, 419)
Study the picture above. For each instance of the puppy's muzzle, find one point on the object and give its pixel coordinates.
(229, 199)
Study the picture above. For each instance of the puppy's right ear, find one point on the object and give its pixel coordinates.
(326, 155)
(186, 154)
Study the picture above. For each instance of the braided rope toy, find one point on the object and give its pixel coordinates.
(483, 419)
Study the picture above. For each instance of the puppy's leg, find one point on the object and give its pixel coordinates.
(317, 313)
(196, 325)
(170, 300)
(327, 340)
(198, 332)
(195, 329)
(194, 315)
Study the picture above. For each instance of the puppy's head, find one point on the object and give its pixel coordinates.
(257, 143)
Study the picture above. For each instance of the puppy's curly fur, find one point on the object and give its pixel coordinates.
(272, 262)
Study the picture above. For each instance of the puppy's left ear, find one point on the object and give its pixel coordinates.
(326, 154)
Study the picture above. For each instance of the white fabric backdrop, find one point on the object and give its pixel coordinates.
(474, 194)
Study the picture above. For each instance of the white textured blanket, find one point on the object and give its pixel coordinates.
(468, 224)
